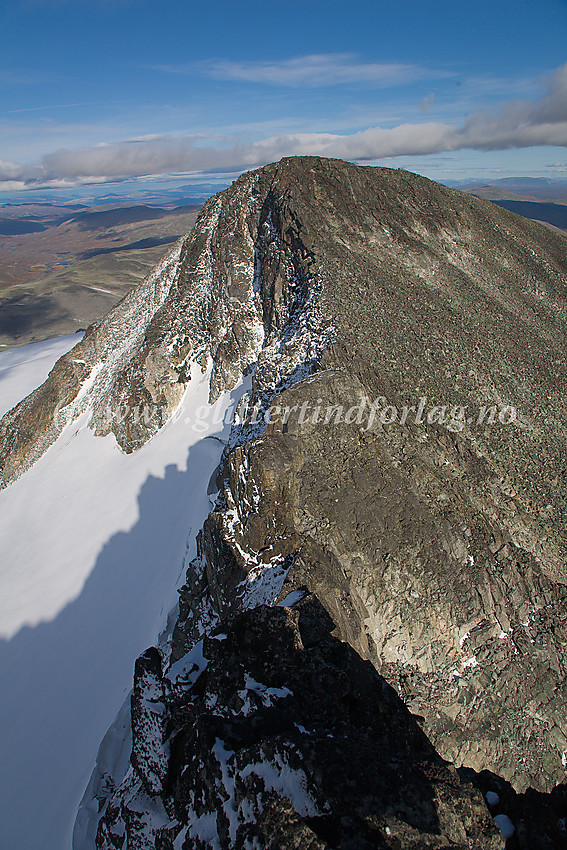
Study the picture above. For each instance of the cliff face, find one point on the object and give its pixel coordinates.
(401, 451)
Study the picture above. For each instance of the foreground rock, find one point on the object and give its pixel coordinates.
(279, 735)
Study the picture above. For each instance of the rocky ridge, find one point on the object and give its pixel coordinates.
(437, 544)
(218, 294)
(276, 734)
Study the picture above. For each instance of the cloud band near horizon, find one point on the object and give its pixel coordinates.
(520, 124)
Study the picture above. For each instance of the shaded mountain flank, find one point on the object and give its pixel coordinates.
(555, 214)
(401, 455)
(126, 215)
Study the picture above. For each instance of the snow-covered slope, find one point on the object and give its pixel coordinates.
(93, 546)
(25, 368)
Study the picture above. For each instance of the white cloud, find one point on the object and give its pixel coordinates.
(13, 185)
(320, 69)
(45, 107)
(523, 123)
(10, 170)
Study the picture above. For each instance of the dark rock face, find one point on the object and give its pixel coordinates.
(149, 734)
(438, 546)
(280, 735)
(539, 820)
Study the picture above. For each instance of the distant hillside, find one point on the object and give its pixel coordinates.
(555, 214)
(62, 269)
(126, 215)
(10, 227)
(530, 188)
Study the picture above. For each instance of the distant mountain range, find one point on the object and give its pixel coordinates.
(533, 187)
(532, 197)
(555, 214)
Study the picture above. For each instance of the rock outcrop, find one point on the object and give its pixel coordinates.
(401, 452)
(280, 735)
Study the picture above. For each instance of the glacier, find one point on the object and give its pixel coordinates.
(94, 543)
(25, 368)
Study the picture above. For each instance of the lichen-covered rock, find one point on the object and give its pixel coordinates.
(407, 536)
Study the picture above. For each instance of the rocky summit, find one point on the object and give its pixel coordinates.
(400, 454)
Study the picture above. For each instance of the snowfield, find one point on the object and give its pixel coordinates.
(93, 544)
(25, 368)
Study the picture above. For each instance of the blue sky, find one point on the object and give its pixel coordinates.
(100, 90)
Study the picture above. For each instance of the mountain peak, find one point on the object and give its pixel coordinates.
(397, 350)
